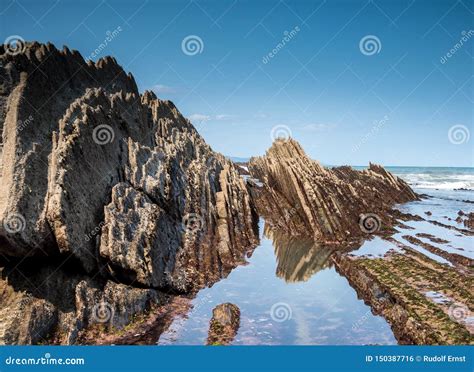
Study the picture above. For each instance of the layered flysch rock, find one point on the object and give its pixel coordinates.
(301, 196)
(109, 198)
(94, 169)
(117, 181)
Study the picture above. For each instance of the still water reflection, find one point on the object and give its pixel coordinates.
(311, 302)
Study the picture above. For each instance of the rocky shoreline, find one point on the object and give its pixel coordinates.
(395, 287)
(119, 183)
(115, 212)
(333, 205)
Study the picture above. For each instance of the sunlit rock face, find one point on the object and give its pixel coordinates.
(329, 205)
(118, 182)
(94, 169)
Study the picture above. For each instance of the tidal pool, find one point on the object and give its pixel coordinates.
(288, 294)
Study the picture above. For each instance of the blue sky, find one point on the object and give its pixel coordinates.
(393, 107)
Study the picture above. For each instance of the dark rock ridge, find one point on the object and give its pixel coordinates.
(330, 205)
(94, 169)
(118, 182)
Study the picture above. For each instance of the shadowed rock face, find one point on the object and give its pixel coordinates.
(49, 300)
(121, 181)
(330, 205)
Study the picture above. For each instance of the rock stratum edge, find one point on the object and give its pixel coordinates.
(118, 183)
(330, 205)
(112, 204)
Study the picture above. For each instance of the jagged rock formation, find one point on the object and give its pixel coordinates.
(109, 198)
(96, 159)
(119, 182)
(331, 205)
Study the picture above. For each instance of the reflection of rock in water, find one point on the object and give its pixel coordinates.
(298, 259)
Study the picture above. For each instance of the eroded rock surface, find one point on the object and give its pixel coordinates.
(398, 287)
(118, 181)
(330, 205)
(56, 302)
(113, 177)
(110, 198)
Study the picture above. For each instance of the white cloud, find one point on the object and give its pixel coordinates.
(223, 117)
(199, 118)
(163, 89)
(317, 127)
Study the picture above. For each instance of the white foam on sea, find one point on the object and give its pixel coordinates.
(439, 181)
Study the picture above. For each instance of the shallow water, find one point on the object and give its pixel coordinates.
(444, 206)
(289, 293)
